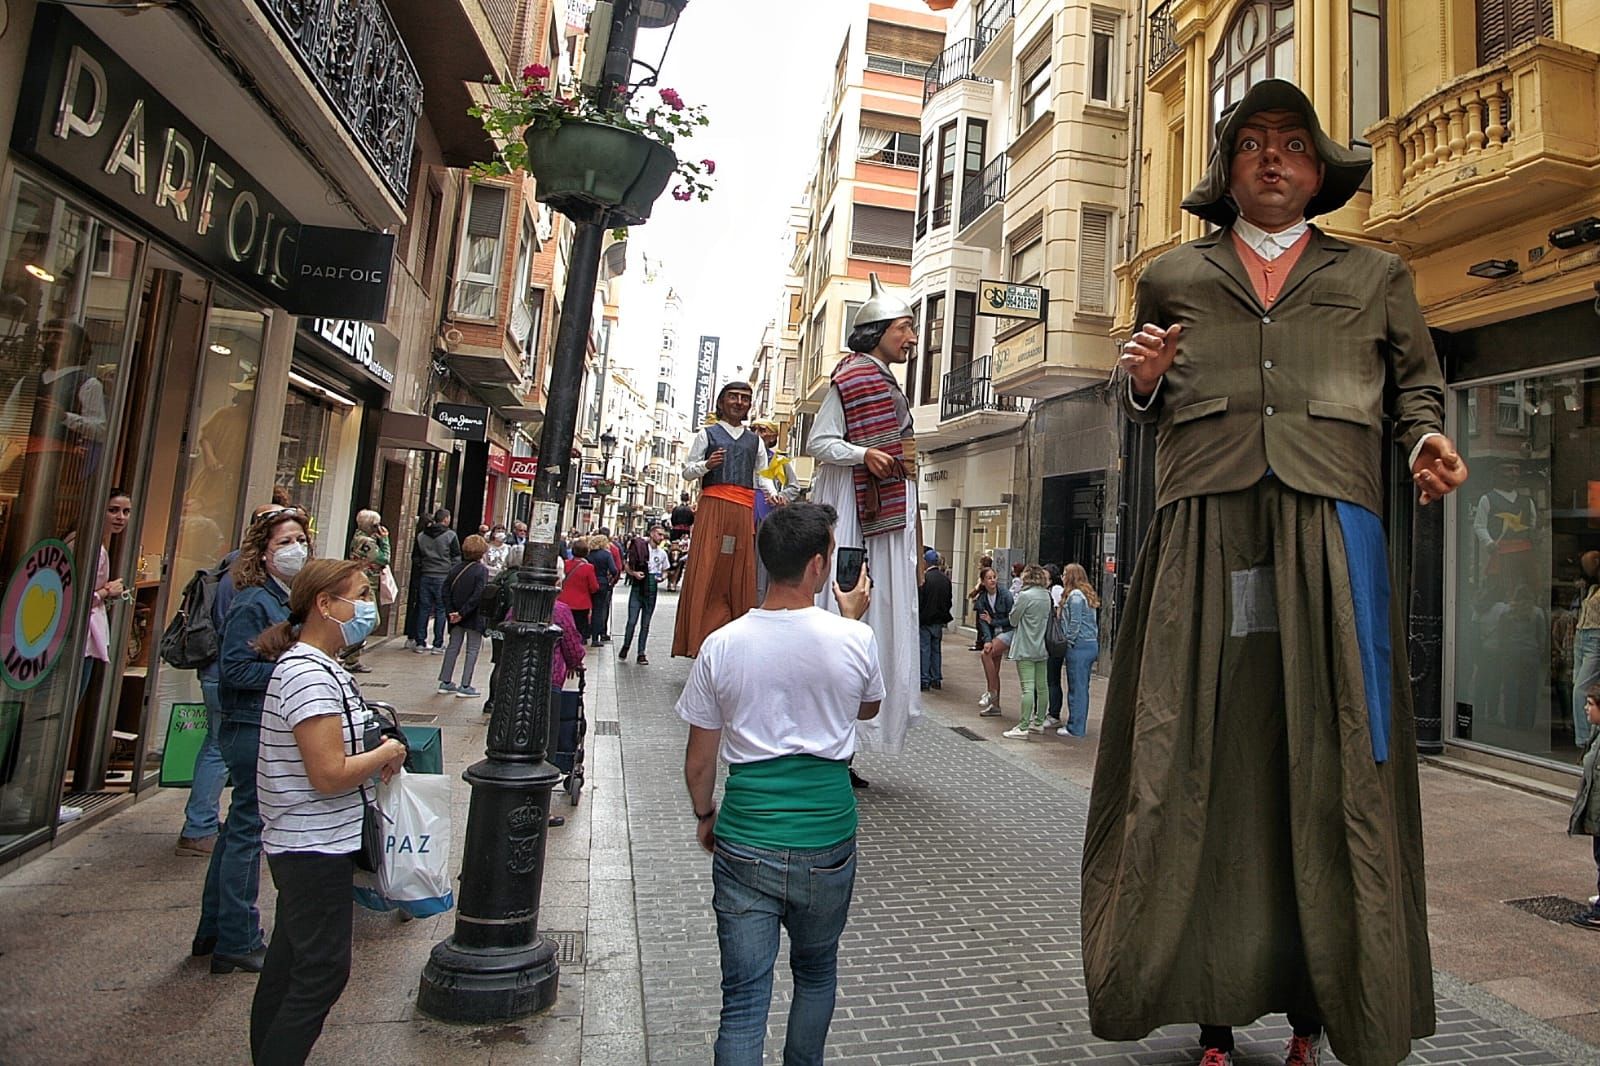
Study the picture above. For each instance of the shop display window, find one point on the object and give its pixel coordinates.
(67, 282)
(1526, 538)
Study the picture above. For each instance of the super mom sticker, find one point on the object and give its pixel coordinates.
(35, 613)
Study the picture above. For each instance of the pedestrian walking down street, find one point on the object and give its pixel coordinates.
(438, 551)
(463, 592)
(682, 518)
(646, 563)
(1056, 664)
(864, 442)
(580, 585)
(369, 546)
(202, 819)
(275, 549)
(1585, 819)
(783, 844)
(1081, 605)
(499, 552)
(934, 600)
(1254, 839)
(993, 606)
(607, 571)
(1586, 645)
(1031, 615)
(727, 458)
(320, 748)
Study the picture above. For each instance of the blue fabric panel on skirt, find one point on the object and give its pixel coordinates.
(1367, 555)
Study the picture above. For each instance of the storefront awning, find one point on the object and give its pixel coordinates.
(413, 433)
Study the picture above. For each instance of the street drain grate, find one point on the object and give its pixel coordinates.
(418, 719)
(1550, 908)
(963, 731)
(569, 946)
(607, 727)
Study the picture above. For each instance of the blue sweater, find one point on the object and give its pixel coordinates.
(245, 673)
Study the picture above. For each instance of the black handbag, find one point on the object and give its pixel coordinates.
(1057, 639)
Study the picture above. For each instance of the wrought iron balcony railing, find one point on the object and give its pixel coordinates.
(967, 389)
(922, 225)
(894, 253)
(992, 18)
(352, 50)
(954, 64)
(1163, 37)
(983, 191)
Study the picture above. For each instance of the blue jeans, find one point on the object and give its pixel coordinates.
(932, 654)
(641, 608)
(430, 605)
(233, 880)
(1080, 664)
(1053, 675)
(1585, 675)
(754, 891)
(210, 773)
(600, 616)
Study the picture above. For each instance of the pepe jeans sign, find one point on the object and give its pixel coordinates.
(464, 420)
(1011, 301)
(86, 113)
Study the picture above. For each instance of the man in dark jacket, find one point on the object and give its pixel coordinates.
(438, 550)
(603, 557)
(682, 517)
(933, 614)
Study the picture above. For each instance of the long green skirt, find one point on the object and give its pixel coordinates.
(1246, 853)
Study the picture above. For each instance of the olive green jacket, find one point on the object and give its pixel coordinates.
(1301, 389)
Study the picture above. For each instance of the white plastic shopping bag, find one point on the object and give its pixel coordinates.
(415, 874)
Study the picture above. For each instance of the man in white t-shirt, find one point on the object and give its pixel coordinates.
(779, 691)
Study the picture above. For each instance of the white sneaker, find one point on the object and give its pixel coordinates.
(1063, 732)
(70, 814)
(1036, 729)
(985, 699)
(1052, 721)
(1015, 733)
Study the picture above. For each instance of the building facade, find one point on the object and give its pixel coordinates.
(1485, 130)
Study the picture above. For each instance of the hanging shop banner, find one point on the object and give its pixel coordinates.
(1018, 352)
(35, 614)
(466, 421)
(705, 378)
(87, 114)
(1005, 300)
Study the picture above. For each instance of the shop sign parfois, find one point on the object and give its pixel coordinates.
(36, 613)
(89, 115)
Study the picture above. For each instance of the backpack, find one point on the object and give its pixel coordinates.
(191, 641)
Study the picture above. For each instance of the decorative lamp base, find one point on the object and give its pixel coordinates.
(463, 986)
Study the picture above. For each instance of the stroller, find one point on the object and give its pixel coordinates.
(568, 727)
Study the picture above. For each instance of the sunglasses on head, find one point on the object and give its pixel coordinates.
(279, 512)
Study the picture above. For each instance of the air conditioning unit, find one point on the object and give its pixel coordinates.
(955, 503)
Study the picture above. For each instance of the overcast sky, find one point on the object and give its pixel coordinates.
(763, 69)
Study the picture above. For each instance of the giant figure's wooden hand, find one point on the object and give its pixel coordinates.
(1439, 469)
(1148, 355)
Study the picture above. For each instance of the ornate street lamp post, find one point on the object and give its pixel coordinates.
(608, 448)
(496, 966)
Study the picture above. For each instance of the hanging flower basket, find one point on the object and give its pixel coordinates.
(588, 164)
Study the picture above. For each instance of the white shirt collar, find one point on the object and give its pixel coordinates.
(1269, 245)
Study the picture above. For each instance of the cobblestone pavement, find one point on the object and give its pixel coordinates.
(963, 938)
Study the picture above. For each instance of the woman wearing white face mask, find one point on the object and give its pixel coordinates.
(275, 548)
(316, 759)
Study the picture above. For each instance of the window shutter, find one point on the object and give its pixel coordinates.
(881, 225)
(487, 212)
(1026, 233)
(1505, 24)
(1094, 266)
(1034, 56)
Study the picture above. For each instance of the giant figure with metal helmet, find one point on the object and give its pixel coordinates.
(865, 450)
(1254, 843)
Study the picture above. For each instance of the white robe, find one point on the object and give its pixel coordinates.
(892, 562)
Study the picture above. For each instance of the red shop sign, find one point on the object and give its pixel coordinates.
(499, 463)
(522, 466)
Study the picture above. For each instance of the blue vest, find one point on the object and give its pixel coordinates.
(739, 457)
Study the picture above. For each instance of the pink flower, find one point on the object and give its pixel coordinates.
(710, 165)
(682, 194)
(535, 72)
(671, 98)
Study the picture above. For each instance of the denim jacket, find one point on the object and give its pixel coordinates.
(1083, 624)
(245, 672)
(1000, 613)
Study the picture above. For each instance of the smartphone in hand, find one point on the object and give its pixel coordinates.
(847, 568)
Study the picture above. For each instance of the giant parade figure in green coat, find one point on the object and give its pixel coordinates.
(1254, 842)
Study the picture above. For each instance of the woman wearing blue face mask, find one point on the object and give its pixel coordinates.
(319, 749)
(275, 548)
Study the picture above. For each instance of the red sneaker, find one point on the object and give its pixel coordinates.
(1213, 1057)
(1303, 1051)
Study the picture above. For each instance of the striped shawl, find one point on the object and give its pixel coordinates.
(872, 420)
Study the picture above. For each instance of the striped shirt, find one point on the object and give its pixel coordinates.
(307, 684)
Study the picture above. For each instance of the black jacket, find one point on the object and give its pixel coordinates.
(463, 587)
(934, 598)
(605, 567)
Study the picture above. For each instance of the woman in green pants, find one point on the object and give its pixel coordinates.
(1030, 615)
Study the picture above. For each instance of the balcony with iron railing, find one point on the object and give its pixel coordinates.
(890, 253)
(968, 390)
(992, 18)
(1163, 44)
(983, 190)
(953, 65)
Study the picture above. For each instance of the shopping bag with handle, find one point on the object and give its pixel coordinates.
(414, 875)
